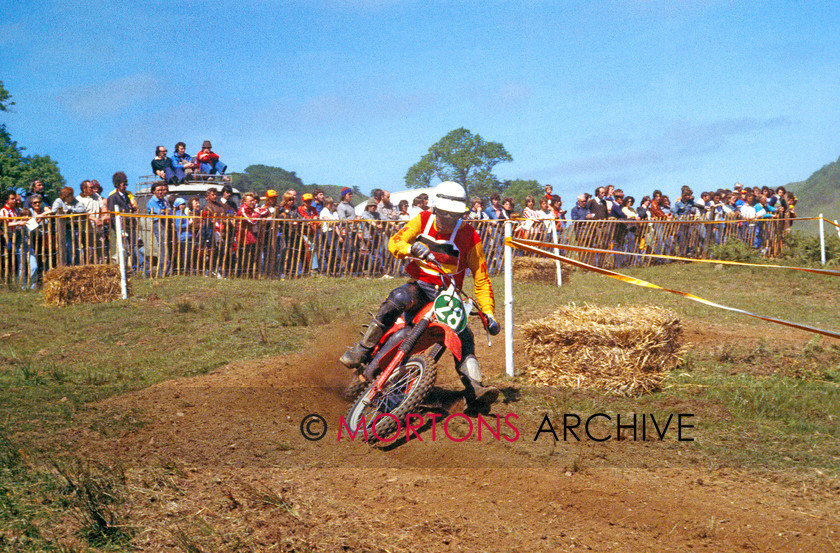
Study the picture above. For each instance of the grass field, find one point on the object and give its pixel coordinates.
(772, 395)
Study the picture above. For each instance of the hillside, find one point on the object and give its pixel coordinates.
(820, 193)
(259, 178)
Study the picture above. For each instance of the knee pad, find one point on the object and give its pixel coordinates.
(399, 300)
(403, 298)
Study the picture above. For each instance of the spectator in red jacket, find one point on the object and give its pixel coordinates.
(248, 232)
(306, 210)
(209, 161)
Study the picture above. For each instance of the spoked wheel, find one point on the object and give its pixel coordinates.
(403, 393)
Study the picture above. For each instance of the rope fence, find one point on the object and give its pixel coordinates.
(158, 246)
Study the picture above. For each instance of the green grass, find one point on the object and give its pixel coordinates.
(780, 406)
(54, 361)
(779, 293)
(768, 404)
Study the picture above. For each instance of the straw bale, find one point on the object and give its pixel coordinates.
(83, 284)
(539, 269)
(619, 350)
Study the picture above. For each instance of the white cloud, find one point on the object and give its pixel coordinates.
(674, 144)
(508, 96)
(112, 97)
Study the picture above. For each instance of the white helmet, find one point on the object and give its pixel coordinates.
(451, 196)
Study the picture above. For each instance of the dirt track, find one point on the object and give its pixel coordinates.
(219, 464)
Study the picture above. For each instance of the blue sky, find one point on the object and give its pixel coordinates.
(642, 94)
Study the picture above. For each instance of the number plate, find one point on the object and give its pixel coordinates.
(450, 310)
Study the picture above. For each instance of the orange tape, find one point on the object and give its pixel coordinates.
(828, 272)
(516, 243)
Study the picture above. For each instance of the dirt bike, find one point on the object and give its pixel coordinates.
(403, 368)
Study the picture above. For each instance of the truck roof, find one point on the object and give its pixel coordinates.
(189, 188)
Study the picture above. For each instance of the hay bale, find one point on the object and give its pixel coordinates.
(83, 284)
(619, 350)
(539, 269)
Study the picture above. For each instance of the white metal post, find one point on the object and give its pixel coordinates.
(557, 263)
(508, 301)
(822, 239)
(120, 252)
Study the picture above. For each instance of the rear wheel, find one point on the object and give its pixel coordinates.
(402, 394)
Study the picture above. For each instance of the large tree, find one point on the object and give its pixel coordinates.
(10, 160)
(463, 157)
(18, 170)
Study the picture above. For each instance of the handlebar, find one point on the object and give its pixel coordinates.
(450, 281)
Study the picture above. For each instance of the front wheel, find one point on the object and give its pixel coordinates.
(404, 392)
(354, 388)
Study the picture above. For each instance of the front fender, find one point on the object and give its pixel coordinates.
(399, 325)
(433, 335)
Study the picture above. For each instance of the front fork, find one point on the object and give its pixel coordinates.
(402, 353)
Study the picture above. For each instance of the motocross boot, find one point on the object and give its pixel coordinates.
(359, 355)
(477, 395)
(400, 299)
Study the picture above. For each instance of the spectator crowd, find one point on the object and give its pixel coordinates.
(281, 235)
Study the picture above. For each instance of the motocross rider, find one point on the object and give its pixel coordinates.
(455, 244)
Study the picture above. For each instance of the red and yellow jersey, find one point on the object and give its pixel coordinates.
(457, 252)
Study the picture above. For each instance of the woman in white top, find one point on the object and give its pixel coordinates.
(546, 214)
(404, 214)
(476, 212)
(528, 229)
(630, 230)
(331, 239)
(627, 208)
(37, 239)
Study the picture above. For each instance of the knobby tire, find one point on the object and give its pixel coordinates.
(424, 371)
(353, 390)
